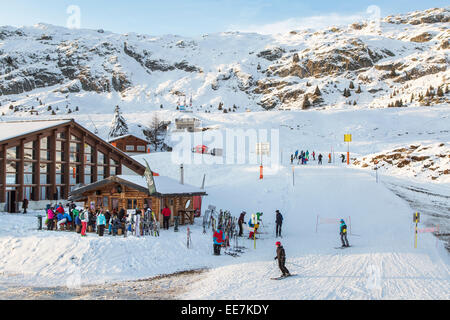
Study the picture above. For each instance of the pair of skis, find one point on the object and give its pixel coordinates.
(283, 277)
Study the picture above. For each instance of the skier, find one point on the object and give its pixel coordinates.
(314, 155)
(252, 226)
(343, 231)
(279, 223)
(292, 158)
(101, 223)
(281, 256)
(343, 158)
(258, 220)
(320, 158)
(218, 240)
(307, 155)
(241, 222)
(296, 154)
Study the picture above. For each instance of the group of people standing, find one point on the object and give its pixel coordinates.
(302, 157)
(97, 220)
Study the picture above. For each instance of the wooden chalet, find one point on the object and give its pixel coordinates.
(130, 192)
(130, 144)
(45, 159)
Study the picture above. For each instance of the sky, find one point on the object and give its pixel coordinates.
(198, 17)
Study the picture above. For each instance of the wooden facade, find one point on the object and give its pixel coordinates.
(47, 163)
(116, 193)
(130, 144)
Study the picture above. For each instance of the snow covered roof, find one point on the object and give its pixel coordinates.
(14, 129)
(124, 136)
(165, 186)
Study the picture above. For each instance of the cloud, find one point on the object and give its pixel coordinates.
(312, 22)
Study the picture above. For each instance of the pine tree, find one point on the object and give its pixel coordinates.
(440, 92)
(317, 92)
(352, 85)
(118, 126)
(358, 90)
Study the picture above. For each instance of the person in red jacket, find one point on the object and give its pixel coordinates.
(166, 217)
(218, 240)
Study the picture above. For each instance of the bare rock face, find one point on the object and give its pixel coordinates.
(272, 54)
(424, 37)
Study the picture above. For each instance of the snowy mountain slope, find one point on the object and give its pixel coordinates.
(382, 264)
(46, 67)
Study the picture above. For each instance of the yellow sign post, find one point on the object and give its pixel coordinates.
(348, 139)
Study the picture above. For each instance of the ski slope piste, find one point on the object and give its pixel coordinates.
(381, 264)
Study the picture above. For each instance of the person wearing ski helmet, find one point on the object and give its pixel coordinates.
(279, 223)
(343, 232)
(281, 257)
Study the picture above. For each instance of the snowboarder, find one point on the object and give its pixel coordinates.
(343, 231)
(25, 205)
(343, 158)
(320, 158)
(281, 256)
(279, 223)
(241, 222)
(218, 241)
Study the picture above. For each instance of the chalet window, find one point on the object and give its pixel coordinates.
(12, 153)
(105, 202)
(87, 179)
(45, 193)
(115, 203)
(141, 148)
(29, 153)
(100, 158)
(129, 148)
(44, 144)
(131, 204)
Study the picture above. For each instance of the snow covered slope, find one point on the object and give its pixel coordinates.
(382, 264)
(54, 70)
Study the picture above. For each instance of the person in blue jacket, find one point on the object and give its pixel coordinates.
(68, 219)
(61, 220)
(101, 223)
(343, 231)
